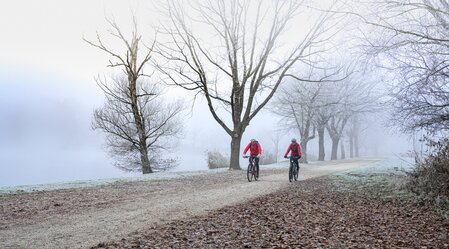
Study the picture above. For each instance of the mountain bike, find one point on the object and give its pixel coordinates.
(251, 172)
(293, 171)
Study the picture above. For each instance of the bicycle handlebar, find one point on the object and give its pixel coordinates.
(288, 157)
(249, 156)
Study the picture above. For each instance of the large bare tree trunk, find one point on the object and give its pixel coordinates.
(335, 128)
(235, 152)
(146, 167)
(306, 137)
(342, 148)
(351, 146)
(334, 148)
(138, 119)
(304, 151)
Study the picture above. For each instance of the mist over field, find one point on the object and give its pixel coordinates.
(224, 123)
(48, 95)
(46, 136)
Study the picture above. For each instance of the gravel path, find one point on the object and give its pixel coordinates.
(315, 213)
(83, 217)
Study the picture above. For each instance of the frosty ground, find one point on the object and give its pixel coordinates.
(85, 216)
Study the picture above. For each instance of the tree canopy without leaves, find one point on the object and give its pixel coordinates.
(299, 102)
(115, 118)
(410, 38)
(137, 122)
(243, 59)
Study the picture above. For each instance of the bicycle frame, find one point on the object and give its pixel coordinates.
(251, 171)
(252, 160)
(293, 171)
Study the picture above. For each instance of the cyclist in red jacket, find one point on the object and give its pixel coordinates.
(295, 150)
(255, 150)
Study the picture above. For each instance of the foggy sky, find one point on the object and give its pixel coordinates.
(48, 94)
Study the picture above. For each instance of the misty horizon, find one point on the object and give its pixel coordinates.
(48, 95)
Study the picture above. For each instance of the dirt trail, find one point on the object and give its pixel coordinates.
(80, 218)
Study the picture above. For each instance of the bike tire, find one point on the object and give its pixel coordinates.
(295, 172)
(290, 173)
(255, 173)
(249, 173)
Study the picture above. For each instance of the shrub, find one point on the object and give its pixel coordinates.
(217, 160)
(430, 179)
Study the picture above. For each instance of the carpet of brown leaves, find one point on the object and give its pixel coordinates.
(315, 213)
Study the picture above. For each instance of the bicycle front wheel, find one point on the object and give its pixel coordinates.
(295, 172)
(249, 173)
(290, 173)
(255, 173)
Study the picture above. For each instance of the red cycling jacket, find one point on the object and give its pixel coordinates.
(295, 149)
(255, 149)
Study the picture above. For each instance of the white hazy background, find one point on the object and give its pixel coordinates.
(48, 94)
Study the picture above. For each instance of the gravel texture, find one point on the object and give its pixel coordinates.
(84, 217)
(315, 213)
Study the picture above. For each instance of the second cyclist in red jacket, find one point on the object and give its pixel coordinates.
(295, 150)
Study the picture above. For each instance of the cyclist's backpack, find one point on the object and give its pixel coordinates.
(251, 145)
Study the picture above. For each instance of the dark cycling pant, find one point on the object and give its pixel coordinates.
(295, 159)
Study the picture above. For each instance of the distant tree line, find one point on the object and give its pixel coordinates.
(319, 103)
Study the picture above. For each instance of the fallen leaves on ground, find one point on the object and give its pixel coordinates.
(314, 213)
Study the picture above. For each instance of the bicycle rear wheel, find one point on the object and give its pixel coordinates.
(290, 173)
(295, 171)
(249, 173)
(256, 177)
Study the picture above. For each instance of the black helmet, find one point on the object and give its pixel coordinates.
(293, 140)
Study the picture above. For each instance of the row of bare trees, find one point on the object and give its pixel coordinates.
(335, 103)
(407, 41)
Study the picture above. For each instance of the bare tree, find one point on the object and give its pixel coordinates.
(325, 109)
(300, 101)
(352, 96)
(413, 46)
(335, 128)
(295, 107)
(134, 117)
(241, 65)
(321, 119)
(353, 135)
(297, 104)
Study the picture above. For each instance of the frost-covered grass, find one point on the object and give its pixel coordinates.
(103, 182)
(382, 179)
(394, 165)
(397, 166)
